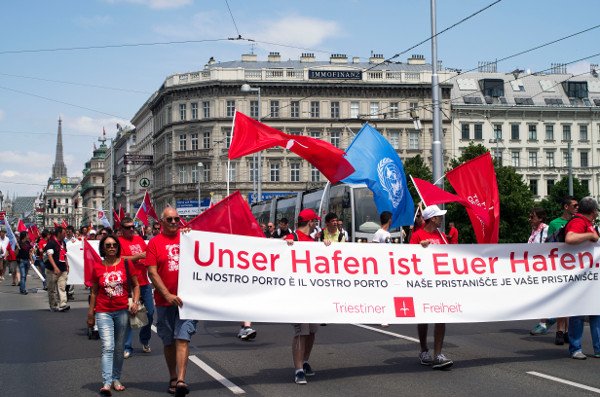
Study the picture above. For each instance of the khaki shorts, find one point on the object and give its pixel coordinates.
(12, 265)
(305, 329)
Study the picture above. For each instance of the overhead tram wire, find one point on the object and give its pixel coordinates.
(233, 19)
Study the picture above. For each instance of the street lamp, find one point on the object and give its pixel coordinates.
(200, 177)
(257, 168)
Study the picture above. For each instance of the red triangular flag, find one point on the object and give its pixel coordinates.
(21, 226)
(121, 212)
(146, 210)
(90, 257)
(231, 215)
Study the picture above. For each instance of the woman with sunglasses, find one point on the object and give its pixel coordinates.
(109, 309)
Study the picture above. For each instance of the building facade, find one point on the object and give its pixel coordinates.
(92, 185)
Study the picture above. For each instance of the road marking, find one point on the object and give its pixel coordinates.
(566, 382)
(210, 371)
(395, 335)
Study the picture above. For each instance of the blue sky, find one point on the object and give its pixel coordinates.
(95, 88)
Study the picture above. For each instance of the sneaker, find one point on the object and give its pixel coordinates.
(126, 354)
(308, 371)
(559, 339)
(441, 362)
(300, 378)
(24, 292)
(539, 329)
(578, 355)
(246, 333)
(54, 309)
(425, 358)
(596, 355)
(64, 308)
(146, 348)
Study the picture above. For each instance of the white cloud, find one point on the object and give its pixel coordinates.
(84, 125)
(94, 21)
(156, 4)
(29, 159)
(579, 67)
(200, 25)
(297, 31)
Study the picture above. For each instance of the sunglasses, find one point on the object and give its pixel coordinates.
(172, 219)
(110, 245)
(131, 227)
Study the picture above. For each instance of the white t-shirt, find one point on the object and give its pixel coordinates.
(382, 236)
(4, 247)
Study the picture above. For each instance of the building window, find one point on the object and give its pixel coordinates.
(465, 131)
(583, 132)
(413, 106)
(583, 159)
(550, 159)
(533, 159)
(182, 172)
(478, 132)
(335, 110)
(393, 113)
(232, 172)
(315, 109)
(274, 108)
(549, 185)
(206, 109)
(515, 159)
(295, 172)
(413, 140)
(336, 138)
(194, 141)
(585, 183)
(533, 186)
(206, 140)
(533, 132)
(315, 134)
(194, 174)
(295, 109)
(194, 110)
(394, 138)
(230, 109)
(549, 132)
(169, 114)
(274, 172)
(498, 131)
(253, 171)
(182, 111)
(374, 110)
(182, 142)
(254, 109)
(227, 139)
(354, 110)
(566, 158)
(206, 176)
(315, 174)
(566, 132)
(514, 132)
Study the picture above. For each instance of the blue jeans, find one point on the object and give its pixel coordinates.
(112, 327)
(23, 268)
(146, 331)
(576, 333)
(40, 264)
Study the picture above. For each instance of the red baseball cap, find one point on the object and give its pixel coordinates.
(307, 214)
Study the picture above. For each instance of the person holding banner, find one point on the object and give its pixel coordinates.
(580, 230)
(304, 334)
(162, 261)
(430, 234)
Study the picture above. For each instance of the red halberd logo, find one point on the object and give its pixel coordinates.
(405, 306)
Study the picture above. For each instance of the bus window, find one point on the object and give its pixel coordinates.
(339, 203)
(286, 208)
(312, 200)
(367, 217)
(262, 211)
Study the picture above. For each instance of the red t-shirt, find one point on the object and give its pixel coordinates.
(112, 286)
(453, 236)
(301, 236)
(163, 252)
(434, 237)
(579, 224)
(135, 246)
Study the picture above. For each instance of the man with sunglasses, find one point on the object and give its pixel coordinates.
(133, 248)
(162, 261)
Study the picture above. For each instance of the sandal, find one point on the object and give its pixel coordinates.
(181, 389)
(118, 386)
(172, 384)
(105, 391)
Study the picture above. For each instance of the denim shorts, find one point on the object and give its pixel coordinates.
(169, 327)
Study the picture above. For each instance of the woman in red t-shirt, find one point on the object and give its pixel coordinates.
(109, 309)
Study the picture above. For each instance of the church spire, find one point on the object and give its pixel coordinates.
(59, 169)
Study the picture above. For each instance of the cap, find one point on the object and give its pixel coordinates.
(92, 231)
(431, 211)
(307, 214)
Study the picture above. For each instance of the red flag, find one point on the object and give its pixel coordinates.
(121, 212)
(145, 210)
(21, 226)
(56, 224)
(475, 181)
(33, 232)
(231, 215)
(251, 136)
(90, 257)
(64, 224)
(116, 220)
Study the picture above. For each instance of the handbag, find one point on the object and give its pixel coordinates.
(140, 318)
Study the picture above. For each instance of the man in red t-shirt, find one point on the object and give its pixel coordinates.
(580, 229)
(429, 234)
(133, 248)
(452, 234)
(162, 261)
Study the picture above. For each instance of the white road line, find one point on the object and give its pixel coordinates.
(217, 376)
(387, 333)
(566, 382)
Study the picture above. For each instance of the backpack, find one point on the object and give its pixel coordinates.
(559, 235)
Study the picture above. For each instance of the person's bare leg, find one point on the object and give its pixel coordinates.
(422, 331)
(439, 331)
(182, 353)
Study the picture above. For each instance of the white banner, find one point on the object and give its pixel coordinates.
(75, 258)
(236, 278)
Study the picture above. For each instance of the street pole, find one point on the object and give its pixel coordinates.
(200, 177)
(570, 168)
(436, 146)
(257, 168)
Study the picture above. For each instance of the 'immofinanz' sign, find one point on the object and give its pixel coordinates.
(335, 74)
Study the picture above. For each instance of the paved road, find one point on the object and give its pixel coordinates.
(48, 354)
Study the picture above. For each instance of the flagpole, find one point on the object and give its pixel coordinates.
(230, 140)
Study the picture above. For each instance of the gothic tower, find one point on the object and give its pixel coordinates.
(59, 169)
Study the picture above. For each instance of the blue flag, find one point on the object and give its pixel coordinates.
(377, 165)
(9, 233)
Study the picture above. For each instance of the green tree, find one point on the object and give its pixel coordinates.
(416, 167)
(561, 189)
